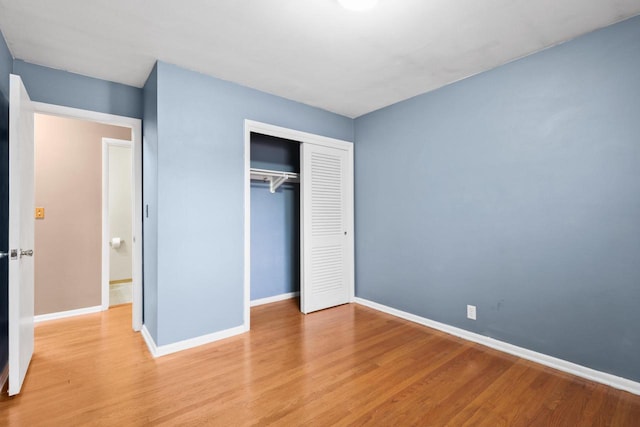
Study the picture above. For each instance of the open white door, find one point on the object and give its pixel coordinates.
(327, 255)
(21, 225)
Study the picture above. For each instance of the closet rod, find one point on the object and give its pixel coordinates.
(274, 178)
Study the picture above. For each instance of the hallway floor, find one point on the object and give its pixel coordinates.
(120, 293)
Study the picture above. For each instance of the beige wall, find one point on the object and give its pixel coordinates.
(69, 186)
(120, 211)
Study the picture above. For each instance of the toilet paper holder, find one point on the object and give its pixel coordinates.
(116, 242)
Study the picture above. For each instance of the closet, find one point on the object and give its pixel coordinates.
(275, 218)
(298, 219)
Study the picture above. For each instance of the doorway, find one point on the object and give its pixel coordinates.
(88, 295)
(22, 223)
(275, 219)
(69, 215)
(117, 214)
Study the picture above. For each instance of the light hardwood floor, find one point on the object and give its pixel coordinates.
(345, 366)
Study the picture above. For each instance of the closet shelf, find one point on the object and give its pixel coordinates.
(274, 178)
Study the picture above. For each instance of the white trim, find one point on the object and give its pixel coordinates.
(106, 231)
(302, 137)
(246, 303)
(151, 345)
(104, 264)
(351, 246)
(543, 359)
(275, 298)
(4, 376)
(68, 313)
(295, 135)
(136, 139)
(163, 350)
(94, 116)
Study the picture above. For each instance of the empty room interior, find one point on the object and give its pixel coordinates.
(330, 212)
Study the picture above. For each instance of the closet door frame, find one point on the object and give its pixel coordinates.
(303, 138)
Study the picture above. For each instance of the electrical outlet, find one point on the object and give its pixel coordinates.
(471, 312)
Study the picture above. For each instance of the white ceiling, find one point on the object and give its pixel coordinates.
(311, 51)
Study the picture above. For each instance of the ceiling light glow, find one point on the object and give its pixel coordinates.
(358, 5)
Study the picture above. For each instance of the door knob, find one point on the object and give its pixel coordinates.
(26, 253)
(3, 254)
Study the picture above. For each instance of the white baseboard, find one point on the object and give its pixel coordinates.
(4, 376)
(163, 350)
(148, 339)
(543, 359)
(275, 298)
(70, 313)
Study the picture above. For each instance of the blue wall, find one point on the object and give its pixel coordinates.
(6, 66)
(275, 220)
(200, 186)
(516, 190)
(149, 202)
(74, 90)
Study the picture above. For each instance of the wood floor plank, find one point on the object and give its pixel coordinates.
(349, 365)
(507, 401)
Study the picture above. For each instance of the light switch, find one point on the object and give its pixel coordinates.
(39, 213)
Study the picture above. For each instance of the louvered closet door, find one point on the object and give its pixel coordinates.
(326, 268)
